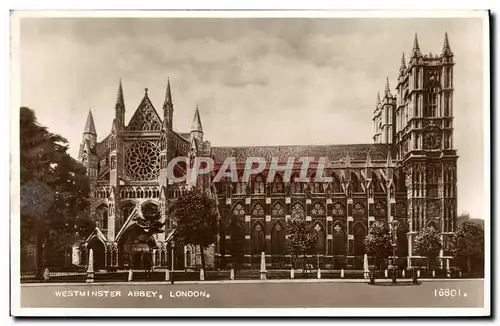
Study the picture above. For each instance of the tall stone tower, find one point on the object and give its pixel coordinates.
(424, 140)
(383, 117)
(87, 153)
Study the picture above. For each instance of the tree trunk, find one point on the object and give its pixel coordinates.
(202, 249)
(468, 264)
(39, 240)
(305, 263)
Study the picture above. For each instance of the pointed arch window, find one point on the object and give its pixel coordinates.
(102, 217)
(320, 238)
(338, 209)
(432, 177)
(298, 211)
(432, 100)
(237, 244)
(277, 210)
(432, 225)
(358, 209)
(238, 210)
(258, 210)
(380, 209)
(318, 210)
(359, 239)
(339, 239)
(278, 244)
(258, 238)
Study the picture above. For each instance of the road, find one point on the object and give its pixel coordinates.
(469, 293)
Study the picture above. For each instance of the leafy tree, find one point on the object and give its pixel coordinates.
(468, 243)
(378, 242)
(150, 221)
(54, 189)
(427, 243)
(301, 237)
(196, 216)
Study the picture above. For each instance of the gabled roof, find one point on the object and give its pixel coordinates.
(145, 117)
(97, 233)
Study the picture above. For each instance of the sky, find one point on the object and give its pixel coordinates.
(256, 81)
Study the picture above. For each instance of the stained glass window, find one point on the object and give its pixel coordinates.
(338, 209)
(277, 210)
(258, 210)
(358, 209)
(297, 211)
(238, 210)
(318, 209)
(142, 161)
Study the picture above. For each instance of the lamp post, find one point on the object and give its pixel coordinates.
(395, 226)
(172, 246)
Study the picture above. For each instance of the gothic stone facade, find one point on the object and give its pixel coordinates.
(407, 174)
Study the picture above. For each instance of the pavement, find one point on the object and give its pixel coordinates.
(304, 293)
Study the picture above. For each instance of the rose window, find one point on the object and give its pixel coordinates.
(142, 161)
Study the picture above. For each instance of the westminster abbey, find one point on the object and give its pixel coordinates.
(406, 174)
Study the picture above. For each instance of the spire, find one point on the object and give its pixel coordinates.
(403, 64)
(416, 47)
(119, 98)
(89, 125)
(387, 90)
(168, 94)
(196, 124)
(389, 163)
(378, 98)
(446, 44)
(368, 159)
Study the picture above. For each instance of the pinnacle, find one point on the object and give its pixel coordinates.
(168, 94)
(89, 125)
(196, 124)
(119, 99)
(416, 47)
(403, 62)
(387, 88)
(446, 44)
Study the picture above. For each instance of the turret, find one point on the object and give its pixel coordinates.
(168, 108)
(89, 132)
(120, 108)
(87, 154)
(415, 53)
(387, 90)
(402, 68)
(196, 127)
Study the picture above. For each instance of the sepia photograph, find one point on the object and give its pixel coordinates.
(336, 161)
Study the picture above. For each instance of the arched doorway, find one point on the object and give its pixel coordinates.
(99, 252)
(136, 249)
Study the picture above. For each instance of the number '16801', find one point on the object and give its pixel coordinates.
(447, 293)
